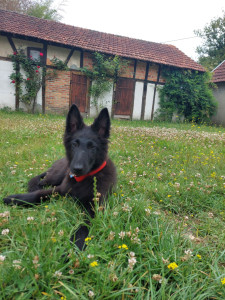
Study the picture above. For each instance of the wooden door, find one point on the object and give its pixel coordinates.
(124, 96)
(78, 94)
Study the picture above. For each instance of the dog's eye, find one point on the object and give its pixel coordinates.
(76, 143)
(90, 145)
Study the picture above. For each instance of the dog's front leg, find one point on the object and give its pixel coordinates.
(79, 236)
(32, 198)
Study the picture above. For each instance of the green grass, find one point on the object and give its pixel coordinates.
(169, 202)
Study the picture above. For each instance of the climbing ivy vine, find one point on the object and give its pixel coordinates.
(103, 75)
(187, 93)
(28, 74)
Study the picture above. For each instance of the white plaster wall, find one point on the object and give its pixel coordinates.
(58, 52)
(137, 101)
(7, 89)
(74, 60)
(5, 48)
(219, 94)
(149, 101)
(24, 44)
(104, 101)
(39, 96)
(157, 99)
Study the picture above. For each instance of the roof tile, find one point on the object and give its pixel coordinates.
(219, 73)
(12, 22)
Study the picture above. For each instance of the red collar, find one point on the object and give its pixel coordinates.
(82, 177)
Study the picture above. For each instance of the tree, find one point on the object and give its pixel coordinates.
(43, 9)
(212, 52)
(15, 5)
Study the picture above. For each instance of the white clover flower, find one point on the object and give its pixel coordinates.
(122, 235)
(61, 233)
(30, 218)
(57, 274)
(188, 252)
(2, 257)
(5, 231)
(16, 264)
(111, 235)
(5, 214)
(91, 294)
(148, 211)
(131, 262)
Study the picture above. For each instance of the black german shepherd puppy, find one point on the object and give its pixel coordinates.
(86, 158)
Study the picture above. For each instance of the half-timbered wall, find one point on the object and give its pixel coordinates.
(137, 90)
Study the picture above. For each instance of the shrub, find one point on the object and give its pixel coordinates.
(186, 93)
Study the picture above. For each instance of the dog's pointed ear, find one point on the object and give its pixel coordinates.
(74, 120)
(101, 124)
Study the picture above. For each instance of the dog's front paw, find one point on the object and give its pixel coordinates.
(13, 200)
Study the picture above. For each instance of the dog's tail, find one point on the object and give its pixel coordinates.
(34, 183)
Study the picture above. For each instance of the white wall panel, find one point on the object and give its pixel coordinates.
(149, 101)
(7, 89)
(137, 100)
(104, 101)
(157, 99)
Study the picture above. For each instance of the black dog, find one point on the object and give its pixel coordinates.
(86, 158)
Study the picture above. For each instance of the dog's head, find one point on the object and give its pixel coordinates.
(86, 146)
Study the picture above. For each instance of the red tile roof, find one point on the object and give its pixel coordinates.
(219, 73)
(86, 39)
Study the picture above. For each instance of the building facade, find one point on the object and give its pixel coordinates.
(219, 93)
(134, 96)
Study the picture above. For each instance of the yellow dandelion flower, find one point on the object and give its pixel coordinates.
(94, 264)
(87, 240)
(199, 256)
(53, 239)
(172, 266)
(124, 246)
(223, 280)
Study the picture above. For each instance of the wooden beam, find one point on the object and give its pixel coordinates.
(69, 56)
(135, 68)
(81, 59)
(144, 91)
(153, 102)
(12, 43)
(45, 48)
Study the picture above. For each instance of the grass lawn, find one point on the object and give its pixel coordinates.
(161, 236)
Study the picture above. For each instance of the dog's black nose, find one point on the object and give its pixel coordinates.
(78, 171)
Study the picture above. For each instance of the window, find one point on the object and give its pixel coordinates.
(35, 53)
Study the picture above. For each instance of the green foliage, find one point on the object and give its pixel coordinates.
(104, 73)
(186, 93)
(43, 9)
(212, 53)
(31, 80)
(59, 64)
